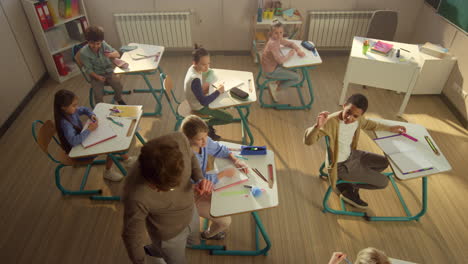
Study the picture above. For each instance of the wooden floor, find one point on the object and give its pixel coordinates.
(39, 225)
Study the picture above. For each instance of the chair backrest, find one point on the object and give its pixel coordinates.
(43, 138)
(76, 58)
(168, 84)
(383, 25)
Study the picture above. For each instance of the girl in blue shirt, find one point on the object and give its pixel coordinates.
(70, 129)
(196, 130)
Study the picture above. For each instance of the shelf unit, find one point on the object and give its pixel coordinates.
(55, 39)
(260, 31)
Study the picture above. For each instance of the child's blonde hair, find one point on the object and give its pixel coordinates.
(192, 125)
(275, 24)
(372, 255)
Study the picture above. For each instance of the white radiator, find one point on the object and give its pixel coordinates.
(168, 29)
(336, 29)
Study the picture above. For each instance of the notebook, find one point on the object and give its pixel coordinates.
(102, 133)
(232, 177)
(229, 83)
(405, 153)
(127, 111)
(382, 47)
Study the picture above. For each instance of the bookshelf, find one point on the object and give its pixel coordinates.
(59, 35)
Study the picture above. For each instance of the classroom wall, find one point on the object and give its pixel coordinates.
(21, 64)
(226, 24)
(433, 28)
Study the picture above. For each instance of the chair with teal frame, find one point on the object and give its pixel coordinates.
(168, 92)
(203, 245)
(343, 211)
(43, 138)
(77, 60)
(262, 84)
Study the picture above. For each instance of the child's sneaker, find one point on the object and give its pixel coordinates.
(220, 236)
(273, 90)
(128, 163)
(352, 198)
(112, 175)
(121, 102)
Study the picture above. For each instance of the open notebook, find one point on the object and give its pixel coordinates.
(229, 83)
(230, 176)
(405, 153)
(102, 133)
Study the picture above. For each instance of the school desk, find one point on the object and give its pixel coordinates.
(412, 73)
(121, 143)
(238, 200)
(144, 67)
(439, 162)
(303, 64)
(225, 100)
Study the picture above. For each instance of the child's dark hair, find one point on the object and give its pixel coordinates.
(192, 125)
(161, 163)
(63, 98)
(199, 52)
(94, 33)
(358, 100)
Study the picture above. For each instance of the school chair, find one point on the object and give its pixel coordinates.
(262, 83)
(43, 136)
(343, 211)
(76, 59)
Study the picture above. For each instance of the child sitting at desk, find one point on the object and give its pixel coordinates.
(196, 93)
(366, 256)
(196, 131)
(272, 57)
(70, 129)
(347, 163)
(96, 57)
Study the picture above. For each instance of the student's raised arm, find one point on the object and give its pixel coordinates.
(314, 133)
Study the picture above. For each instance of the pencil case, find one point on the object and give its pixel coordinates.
(308, 45)
(120, 63)
(238, 94)
(253, 150)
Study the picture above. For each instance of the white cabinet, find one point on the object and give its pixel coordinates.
(433, 74)
(59, 38)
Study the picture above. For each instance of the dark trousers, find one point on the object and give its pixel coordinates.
(364, 167)
(111, 80)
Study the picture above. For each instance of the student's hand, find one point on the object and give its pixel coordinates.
(100, 78)
(291, 53)
(241, 165)
(92, 126)
(398, 129)
(204, 187)
(301, 53)
(206, 88)
(221, 88)
(94, 118)
(337, 257)
(322, 118)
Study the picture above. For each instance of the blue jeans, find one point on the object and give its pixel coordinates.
(282, 73)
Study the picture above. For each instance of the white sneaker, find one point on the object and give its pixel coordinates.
(128, 163)
(112, 175)
(273, 90)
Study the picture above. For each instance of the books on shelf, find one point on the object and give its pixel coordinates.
(291, 15)
(408, 155)
(381, 47)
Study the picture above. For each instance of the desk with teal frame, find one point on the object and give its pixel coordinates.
(225, 100)
(238, 200)
(144, 68)
(439, 162)
(295, 63)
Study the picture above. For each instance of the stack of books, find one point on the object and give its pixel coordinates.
(382, 48)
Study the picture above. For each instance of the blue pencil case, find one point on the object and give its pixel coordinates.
(253, 150)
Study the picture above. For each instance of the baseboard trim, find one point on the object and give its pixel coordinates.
(460, 117)
(22, 105)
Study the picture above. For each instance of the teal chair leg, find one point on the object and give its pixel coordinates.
(203, 245)
(308, 105)
(81, 191)
(156, 93)
(408, 217)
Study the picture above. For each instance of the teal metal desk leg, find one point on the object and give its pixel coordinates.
(142, 140)
(154, 92)
(257, 252)
(305, 74)
(245, 123)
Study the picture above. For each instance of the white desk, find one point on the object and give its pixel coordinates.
(310, 58)
(439, 162)
(386, 72)
(144, 67)
(148, 64)
(225, 100)
(118, 144)
(236, 199)
(229, 201)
